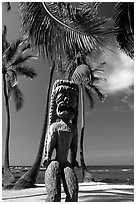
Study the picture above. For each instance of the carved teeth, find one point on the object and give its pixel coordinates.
(63, 108)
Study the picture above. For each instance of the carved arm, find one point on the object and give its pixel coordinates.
(73, 147)
(49, 147)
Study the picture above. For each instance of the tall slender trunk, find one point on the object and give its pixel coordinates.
(87, 176)
(29, 178)
(8, 178)
(82, 129)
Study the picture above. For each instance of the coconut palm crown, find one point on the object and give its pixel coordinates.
(13, 66)
(87, 76)
(61, 30)
(124, 26)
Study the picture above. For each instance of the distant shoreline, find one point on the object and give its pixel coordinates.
(114, 174)
(110, 165)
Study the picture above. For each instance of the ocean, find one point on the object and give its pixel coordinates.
(117, 174)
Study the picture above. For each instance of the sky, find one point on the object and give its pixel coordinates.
(109, 131)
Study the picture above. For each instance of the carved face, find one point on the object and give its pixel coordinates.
(66, 101)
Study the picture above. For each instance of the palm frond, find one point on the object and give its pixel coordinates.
(87, 5)
(7, 5)
(13, 47)
(21, 59)
(9, 88)
(18, 97)
(26, 71)
(90, 97)
(97, 79)
(5, 44)
(4, 33)
(13, 78)
(60, 33)
(25, 45)
(98, 92)
(98, 70)
(124, 26)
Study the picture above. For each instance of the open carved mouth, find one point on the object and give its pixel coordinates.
(64, 108)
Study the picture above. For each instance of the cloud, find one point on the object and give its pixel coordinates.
(119, 75)
(118, 71)
(129, 99)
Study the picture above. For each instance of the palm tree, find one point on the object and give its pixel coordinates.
(29, 178)
(12, 67)
(124, 26)
(60, 31)
(84, 76)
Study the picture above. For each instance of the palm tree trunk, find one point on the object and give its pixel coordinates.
(8, 178)
(85, 172)
(29, 178)
(82, 129)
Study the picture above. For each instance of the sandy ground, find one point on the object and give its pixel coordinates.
(88, 192)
